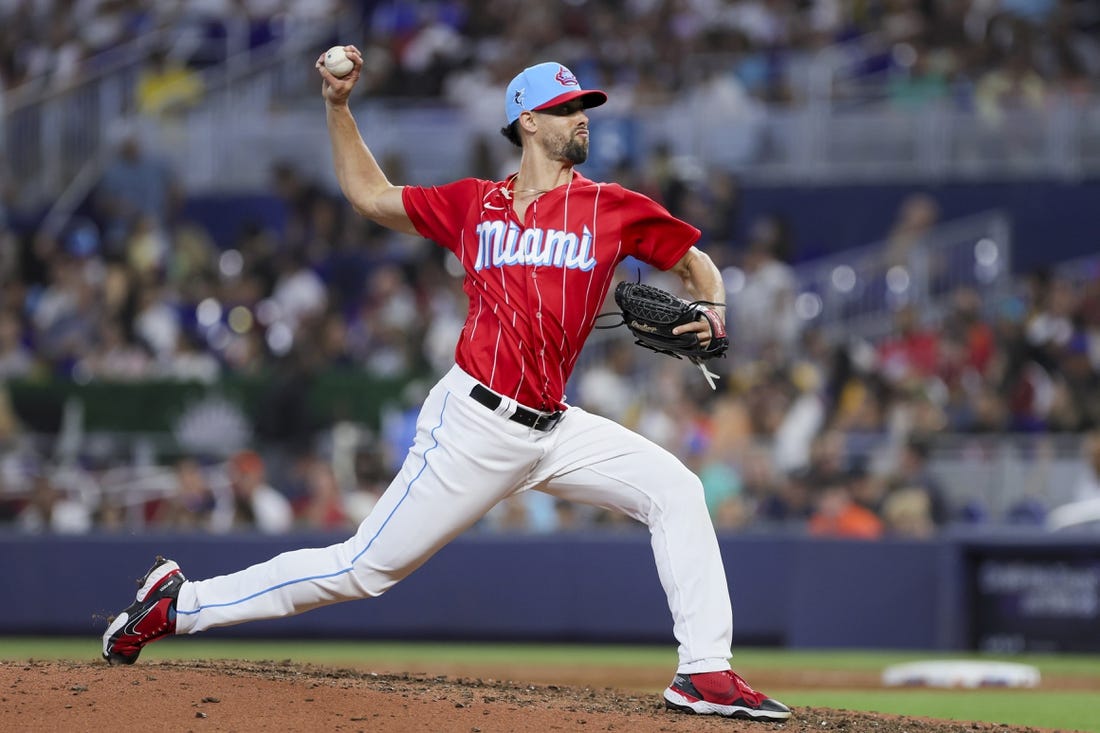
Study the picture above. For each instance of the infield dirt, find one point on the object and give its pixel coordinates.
(283, 696)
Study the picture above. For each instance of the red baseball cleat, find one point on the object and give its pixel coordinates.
(722, 693)
(150, 617)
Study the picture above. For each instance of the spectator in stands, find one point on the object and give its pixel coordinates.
(296, 194)
(166, 87)
(299, 292)
(1050, 326)
(986, 411)
(147, 247)
(792, 503)
(51, 510)
(916, 218)
(324, 504)
(907, 513)
(606, 388)
(866, 488)
(256, 504)
(380, 337)
(721, 486)
(859, 404)
(920, 82)
(828, 458)
(156, 323)
(965, 323)
(763, 309)
(114, 357)
(911, 354)
(372, 475)
(193, 505)
(55, 59)
(135, 187)
(16, 359)
(1007, 96)
(66, 313)
(759, 480)
(911, 474)
(837, 514)
(189, 361)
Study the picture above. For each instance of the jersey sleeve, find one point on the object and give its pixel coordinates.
(653, 235)
(439, 212)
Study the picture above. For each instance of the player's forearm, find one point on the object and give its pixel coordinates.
(701, 278)
(360, 177)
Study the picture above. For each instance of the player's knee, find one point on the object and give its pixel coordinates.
(684, 493)
(693, 490)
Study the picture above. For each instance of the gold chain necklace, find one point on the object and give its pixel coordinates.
(510, 192)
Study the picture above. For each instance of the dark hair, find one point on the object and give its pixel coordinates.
(512, 133)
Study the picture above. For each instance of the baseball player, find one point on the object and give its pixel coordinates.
(539, 251)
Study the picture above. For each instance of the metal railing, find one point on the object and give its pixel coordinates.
(256, 108)
(49, 133)
(999, 472)
(857, 292)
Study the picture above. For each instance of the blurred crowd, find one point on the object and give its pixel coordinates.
(829, 435)
(981, 52)
(52, 43)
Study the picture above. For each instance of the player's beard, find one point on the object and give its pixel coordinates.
(572, 150)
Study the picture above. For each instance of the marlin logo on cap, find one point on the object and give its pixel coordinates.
(566, 78)
(517, 98)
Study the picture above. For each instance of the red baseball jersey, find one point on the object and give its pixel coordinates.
(536, 286)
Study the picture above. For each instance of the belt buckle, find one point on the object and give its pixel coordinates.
(547, 422)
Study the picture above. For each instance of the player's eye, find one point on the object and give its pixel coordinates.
(564, 110)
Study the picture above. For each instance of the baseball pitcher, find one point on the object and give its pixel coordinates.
(539, 251)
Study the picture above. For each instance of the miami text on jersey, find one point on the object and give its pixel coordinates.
(500, 244)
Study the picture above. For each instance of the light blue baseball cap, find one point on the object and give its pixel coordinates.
(545, 85)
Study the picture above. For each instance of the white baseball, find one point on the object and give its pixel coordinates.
(337, 61)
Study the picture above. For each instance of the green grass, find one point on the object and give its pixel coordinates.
(1067, 710)
(1055, 709)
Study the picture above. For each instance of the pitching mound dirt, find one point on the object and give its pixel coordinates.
(280, 696)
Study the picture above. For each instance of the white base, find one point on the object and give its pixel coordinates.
(961, 673)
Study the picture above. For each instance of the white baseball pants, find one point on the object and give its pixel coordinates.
(465, 459)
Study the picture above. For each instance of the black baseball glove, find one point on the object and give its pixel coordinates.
(651, 313)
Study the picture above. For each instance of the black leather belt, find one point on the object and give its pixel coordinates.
(522, 415)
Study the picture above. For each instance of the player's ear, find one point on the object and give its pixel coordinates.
(527, 121)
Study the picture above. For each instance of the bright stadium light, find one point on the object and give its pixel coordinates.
(844, 278)
(268, 311)
(279, 339)
(209, 312)
(231, 263)
(897, 279)
(986, 252)
(734, 279)
(240, 319)
(808, 306)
